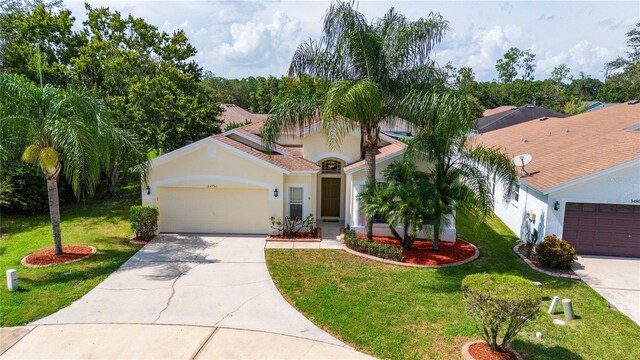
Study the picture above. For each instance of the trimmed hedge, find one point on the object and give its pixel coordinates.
(555, 253)
(383, 251)
(500, 305)
(144, 221)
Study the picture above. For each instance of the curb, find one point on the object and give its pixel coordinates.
(391, 262)
(536, 268)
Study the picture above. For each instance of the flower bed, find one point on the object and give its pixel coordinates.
(421, 253)
(313, 235)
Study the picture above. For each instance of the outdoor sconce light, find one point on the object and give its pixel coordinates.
(556, 206)
(148, 190)
(275, 192)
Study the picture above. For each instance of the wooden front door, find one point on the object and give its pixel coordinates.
(330, 201)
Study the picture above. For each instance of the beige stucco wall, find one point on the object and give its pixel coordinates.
(315, 148)
(209, 165)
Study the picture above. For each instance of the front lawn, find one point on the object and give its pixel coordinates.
(397, 312)
(100, 223)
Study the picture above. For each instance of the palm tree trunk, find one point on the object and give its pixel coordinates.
(54, 212)
(370, 178)
(113, 182)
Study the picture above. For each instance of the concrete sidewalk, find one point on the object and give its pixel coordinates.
(136, 341)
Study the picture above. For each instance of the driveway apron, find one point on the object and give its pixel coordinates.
(219, 281)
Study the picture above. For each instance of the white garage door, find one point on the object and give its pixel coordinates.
(198, 210)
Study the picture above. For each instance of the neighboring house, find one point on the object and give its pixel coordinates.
(597, 105)
(232, 113)
(584, 183)
(513, 116)
(499, 109)
(229, 183)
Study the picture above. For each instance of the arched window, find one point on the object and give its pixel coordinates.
(331, 167)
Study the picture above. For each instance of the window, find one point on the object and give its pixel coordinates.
(331, 167)
(295, 202)
(516, 194)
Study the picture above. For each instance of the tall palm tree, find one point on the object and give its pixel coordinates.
(460, 167)
(61, 132)
(370, 66)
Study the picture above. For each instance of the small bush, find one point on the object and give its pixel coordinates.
(144, 221)
(291, 227)
(500, 305)
(555, 253)
(383, 251)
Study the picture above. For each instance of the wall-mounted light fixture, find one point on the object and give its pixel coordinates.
(275, 192)
(556, 206)
(148, 190)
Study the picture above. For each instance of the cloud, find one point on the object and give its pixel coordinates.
(581, 57)
(624, 24)
(506, 7)
(544, 17)
(259, 45)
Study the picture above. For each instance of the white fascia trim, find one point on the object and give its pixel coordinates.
(251, 157)
(303, 172)
(592, 176)
(180, 151)
(378, 161)
(247, 137)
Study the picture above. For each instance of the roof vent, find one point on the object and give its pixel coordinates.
(544, 118)
(567, 131)
(635, 127)
(633, 102)
(531, 106)
(523, 140)
(549, 134)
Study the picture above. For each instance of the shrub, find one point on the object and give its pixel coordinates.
(144, 221)
(500, 305)
(555, 253)
(383, 251)
(290, 227)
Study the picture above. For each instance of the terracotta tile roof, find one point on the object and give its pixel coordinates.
(514, 116)
(499, 109)
(286, 162)
(595, 141)
(393, 147)
(234, 113)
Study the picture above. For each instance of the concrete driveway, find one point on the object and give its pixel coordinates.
(616, 279)
(195, 291)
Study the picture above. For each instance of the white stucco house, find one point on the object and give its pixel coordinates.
(229, 183)
(584, 182)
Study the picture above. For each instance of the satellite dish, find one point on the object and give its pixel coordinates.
(522, 160)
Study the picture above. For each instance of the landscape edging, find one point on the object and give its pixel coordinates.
(536, 268)
(25, 263)
(392, 262)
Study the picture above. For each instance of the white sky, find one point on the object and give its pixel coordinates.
(237, 39)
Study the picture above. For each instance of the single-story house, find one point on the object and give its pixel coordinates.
(500, 117)
(230, 183)
(583, 183)
(234, 114)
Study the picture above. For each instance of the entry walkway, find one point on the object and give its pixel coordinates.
(174, 297)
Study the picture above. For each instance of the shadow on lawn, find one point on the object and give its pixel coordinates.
(532, 350)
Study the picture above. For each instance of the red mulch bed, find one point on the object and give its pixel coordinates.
(137, 241)
(421, 252)
(482, 351)
(69, 253)
(312, 236)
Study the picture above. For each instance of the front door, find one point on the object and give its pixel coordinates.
(330, 201)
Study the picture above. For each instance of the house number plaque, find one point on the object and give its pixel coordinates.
(212, 186)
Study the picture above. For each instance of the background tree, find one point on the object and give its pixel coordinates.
(370, 65)
(64, 132)
(527, 64)
(507, 67)
(624, 82)
(560, 73)
(460, 169)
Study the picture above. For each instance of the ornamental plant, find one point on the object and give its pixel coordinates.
(144, 221)
(383, 251)
(290, 227)
(555, 253)
(500, 306)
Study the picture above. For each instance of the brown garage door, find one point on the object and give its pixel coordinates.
(603, 229)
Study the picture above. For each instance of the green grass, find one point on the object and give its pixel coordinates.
(406, 313)
(100, 223)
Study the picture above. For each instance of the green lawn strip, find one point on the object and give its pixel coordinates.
(100, 223)
(396, 312)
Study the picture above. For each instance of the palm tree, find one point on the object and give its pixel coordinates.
(370, 66)
(405, 199)
(460, 168)
(61, 132)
